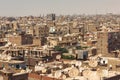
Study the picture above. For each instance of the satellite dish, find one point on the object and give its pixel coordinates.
(73, 72)
(44, 47)
(40, 62)
(36, 68)
(96, 76)
(5, 39)
(104, 61)
(20, 67)
(4, 57)
(22, 71)
(72, 66)
(58, 57)
(60, 38)
(26, 51)
(66, 70)
(14, 34)
(52, 29)
(78, 63)
(60, 66)
(9, 43)
(63, 77)
(93, 63)
(86, 73)
(28, 70)
(44, 70)
(81, 69)
(105, 73)
(9, 58)
(4, 68)
(58, 74)
(54, 66)
(14, 45)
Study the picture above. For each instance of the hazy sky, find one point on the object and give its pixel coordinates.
(37, 7)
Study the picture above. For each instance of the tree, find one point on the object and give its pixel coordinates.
(79, 48)
(62, 50)
(71, 57)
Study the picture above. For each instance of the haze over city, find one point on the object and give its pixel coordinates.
(60, 40)
(37, 7)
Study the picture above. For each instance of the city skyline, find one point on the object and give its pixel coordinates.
(37, 7)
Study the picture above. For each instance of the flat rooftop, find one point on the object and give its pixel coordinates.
(13, 61)
(1, 78)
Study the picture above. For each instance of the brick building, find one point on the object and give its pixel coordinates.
(24, 39)
(33, 76)
(8, 75)
(108, 41)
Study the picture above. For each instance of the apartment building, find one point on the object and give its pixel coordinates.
(108, 41)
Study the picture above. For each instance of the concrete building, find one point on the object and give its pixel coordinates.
(41, 30)
(21, 39)
(8, 75)
(67, 40)
(108, 41)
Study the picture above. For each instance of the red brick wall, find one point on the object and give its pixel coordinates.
(38, 77)
(20, 77)
(35, 76)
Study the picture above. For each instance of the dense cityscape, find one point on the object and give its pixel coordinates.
(59, 40)
(64, 47)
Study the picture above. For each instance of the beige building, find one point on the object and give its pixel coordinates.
(41, 30)
(108, 41)
(67, 40)
(21, 39)
(37, 41)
